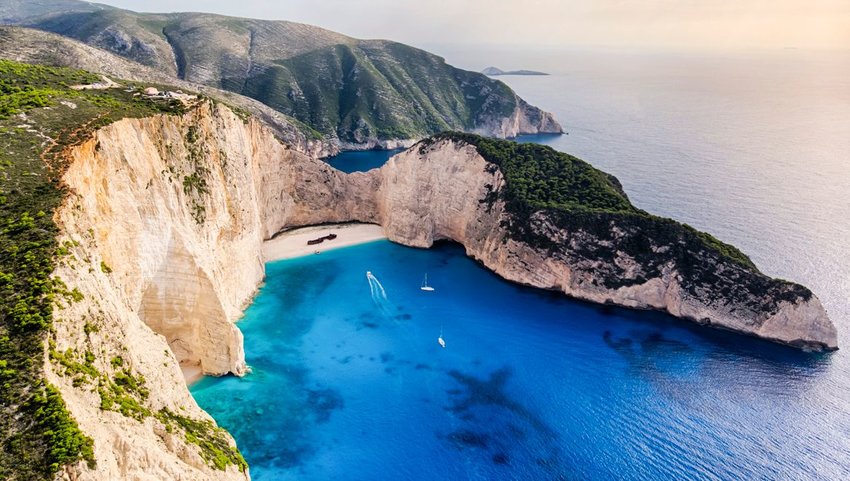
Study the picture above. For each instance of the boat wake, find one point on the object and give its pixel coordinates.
(379, 295)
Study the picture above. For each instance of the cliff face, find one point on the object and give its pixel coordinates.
(164, 218)
(446, 191)
(524, 119)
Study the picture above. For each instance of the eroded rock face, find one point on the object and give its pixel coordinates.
(443, 191)
(165, 217)
(525, 119)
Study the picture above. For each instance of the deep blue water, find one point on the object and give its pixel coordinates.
(360, 160)
(533, 386)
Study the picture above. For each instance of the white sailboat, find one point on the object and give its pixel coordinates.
(425, 286)
(440, 339)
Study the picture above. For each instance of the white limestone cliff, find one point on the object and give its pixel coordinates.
(165, 218)
(438, 192)
(525, 119)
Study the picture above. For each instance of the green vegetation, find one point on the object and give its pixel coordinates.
(331, 84)
(213, 441)
(23, 87)
(74, 368)
(582, 200)
(540, 177)
(124, 393)
(195, 183)
(64, 443)
(37, 434)
(378, 89)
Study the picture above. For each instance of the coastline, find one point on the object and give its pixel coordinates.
(293, 243)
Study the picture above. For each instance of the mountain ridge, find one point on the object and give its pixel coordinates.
(357, 93)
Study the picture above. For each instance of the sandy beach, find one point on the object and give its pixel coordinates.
(294, 243)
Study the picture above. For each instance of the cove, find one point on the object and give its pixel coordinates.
(360, 160)
(347, 384)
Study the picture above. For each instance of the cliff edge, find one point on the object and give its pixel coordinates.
(552, 221)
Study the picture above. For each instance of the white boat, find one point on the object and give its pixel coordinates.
(441, 341)
(425, 286)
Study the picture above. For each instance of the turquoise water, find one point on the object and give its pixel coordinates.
(533, 386)
(360, 160)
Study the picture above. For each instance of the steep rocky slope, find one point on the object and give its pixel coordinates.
(362, 93)
(590, 243)
(89, 390)
(165, 217)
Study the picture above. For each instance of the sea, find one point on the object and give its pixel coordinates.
(349, 382)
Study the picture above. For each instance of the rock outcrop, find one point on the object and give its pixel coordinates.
(446, 191)
(165, 217)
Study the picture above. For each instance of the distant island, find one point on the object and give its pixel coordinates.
(493, 71)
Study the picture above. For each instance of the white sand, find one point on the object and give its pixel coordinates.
(294, 243)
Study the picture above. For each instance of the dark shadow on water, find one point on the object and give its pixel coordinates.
(499, 427)
(491, 392)
(500, 458)
(323, 402)
(468, 439)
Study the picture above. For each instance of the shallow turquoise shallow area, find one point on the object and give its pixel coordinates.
(532, 386)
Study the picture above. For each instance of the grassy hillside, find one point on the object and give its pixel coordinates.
(345, 88)
(40, 118)
(379, 89)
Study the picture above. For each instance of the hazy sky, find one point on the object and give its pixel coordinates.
(668, 24)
